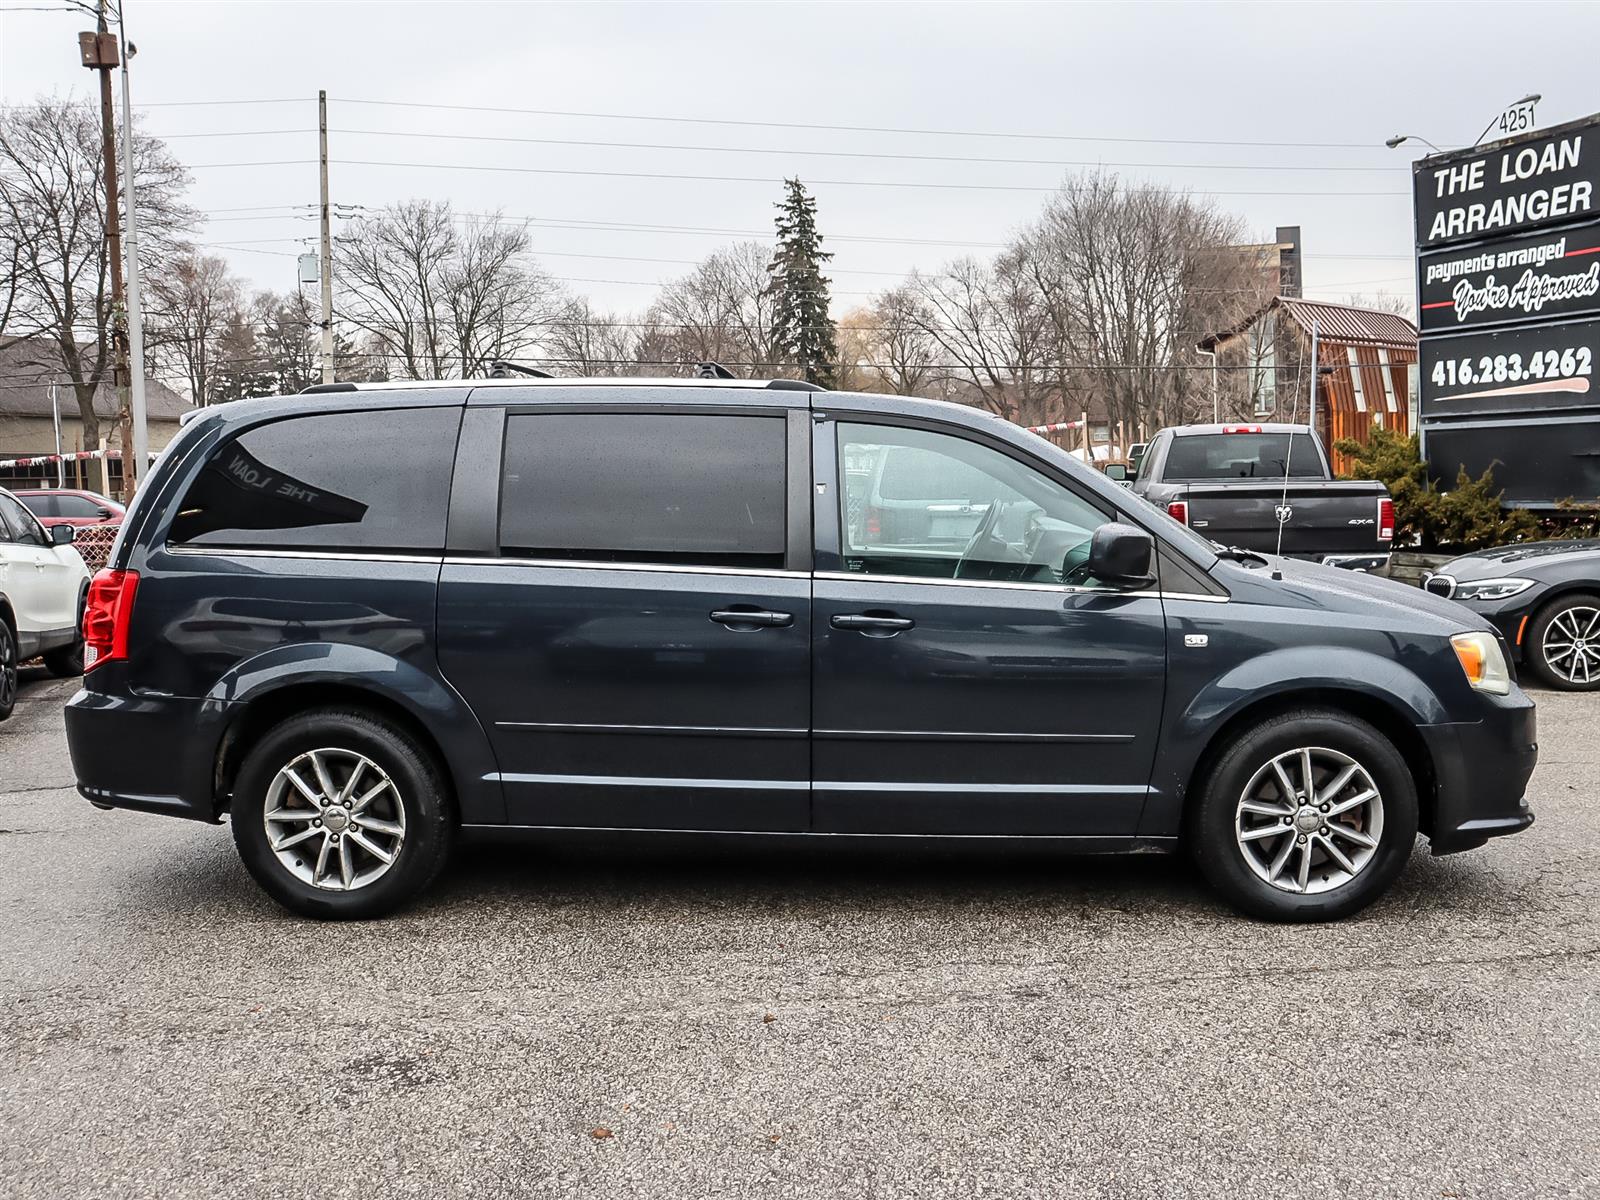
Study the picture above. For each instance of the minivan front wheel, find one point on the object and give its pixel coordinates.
(338, 815)
(1307, 816)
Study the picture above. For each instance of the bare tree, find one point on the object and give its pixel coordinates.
(1130, 278)
(901, 355)
(442, 299)
(590, 342)
(723, 311)
(57, 286)
(190, 303)
(991, 329)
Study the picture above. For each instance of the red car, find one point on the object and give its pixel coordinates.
(68, 506)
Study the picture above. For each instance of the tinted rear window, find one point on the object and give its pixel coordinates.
(366, 481)
(654, 488)
(1242, 456)
(40, 506)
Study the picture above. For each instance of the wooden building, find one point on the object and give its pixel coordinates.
(1368, 357)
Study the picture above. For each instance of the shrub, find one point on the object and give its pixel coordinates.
(1467, 517)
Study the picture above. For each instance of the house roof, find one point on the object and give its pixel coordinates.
(27, 371)
(1341, 323)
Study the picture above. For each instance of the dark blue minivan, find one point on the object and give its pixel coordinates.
(365, 618)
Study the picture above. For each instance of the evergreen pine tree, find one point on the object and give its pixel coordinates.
(802, 328)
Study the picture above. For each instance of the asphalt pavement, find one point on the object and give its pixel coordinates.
(670, 1020)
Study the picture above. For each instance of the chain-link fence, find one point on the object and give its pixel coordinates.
(93, 542)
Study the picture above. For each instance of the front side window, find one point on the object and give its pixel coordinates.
(373, 481)
(22, 527)
(74, 506)
(1201, 456)
(661, 488)
(939, 506)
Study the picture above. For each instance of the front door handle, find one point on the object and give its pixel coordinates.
(872, 626)
(742, 620)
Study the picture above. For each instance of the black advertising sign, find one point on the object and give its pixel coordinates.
(1509, 186)
(1525, 369)
(1534, 277)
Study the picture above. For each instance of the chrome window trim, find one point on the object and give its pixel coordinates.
(1009, 585)
(583, 564)
(338, 555)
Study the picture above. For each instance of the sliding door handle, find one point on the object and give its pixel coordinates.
(871, 625)
(752, 618)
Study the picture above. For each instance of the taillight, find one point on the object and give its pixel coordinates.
(1178, 510)
(874, 522)
(1385, 520)
(106, 614)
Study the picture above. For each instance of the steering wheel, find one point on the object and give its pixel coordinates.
(1075, 565)
(982, 535)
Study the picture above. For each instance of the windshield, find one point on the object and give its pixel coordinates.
(1201, 456)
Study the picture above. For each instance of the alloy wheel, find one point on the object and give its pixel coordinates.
(1309, 821)
(334, 819)
(1571, 644)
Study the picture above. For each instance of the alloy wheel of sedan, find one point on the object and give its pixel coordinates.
(334, 819)
(1309, 821)
(1571, 644)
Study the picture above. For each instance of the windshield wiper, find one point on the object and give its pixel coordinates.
(1238, 554)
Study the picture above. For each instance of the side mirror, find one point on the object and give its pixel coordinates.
(62, 535)
(1116, 472)
(103, 513)
(1119, 555)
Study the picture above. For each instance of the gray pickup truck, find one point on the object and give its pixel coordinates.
(1237, 484)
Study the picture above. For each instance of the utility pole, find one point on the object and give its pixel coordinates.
(98, 51)
(135, 451)
(326, 264)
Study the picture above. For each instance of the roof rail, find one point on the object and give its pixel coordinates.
(793, 385)
(505, 369)
(317, 388)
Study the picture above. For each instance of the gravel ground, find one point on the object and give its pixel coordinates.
(687, 1020)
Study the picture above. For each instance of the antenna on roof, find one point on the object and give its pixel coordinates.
(501, 369)
(711, 370)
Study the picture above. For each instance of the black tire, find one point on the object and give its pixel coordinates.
(65, 662)
(419, 785)
(1557, 674)
(1213, 812)
(8, 670)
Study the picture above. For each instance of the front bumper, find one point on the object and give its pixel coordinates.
(150, 754)
(1481, 772)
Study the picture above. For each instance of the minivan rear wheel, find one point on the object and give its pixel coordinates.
(1306, 816)
(338, 815)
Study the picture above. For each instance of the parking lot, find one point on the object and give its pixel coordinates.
(683, 1020)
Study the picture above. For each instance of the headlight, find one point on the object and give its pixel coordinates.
(1480, 657)
(1491, 589)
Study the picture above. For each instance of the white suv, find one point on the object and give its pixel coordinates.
(42, 585)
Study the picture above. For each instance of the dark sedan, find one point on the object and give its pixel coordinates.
(1544, 597)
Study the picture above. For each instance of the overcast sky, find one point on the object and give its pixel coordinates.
(1159, 92)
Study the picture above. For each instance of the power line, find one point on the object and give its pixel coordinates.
(767, 181)
(747, 124)
(1051, 137)
(868, 154)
